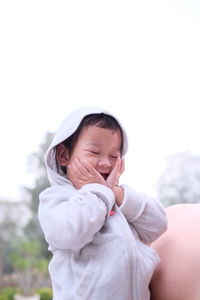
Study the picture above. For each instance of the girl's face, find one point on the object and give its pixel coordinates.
(100, 146)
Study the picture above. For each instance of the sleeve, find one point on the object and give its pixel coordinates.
(145, 214)
(70, 222)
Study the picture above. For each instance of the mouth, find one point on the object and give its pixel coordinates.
(104, 175)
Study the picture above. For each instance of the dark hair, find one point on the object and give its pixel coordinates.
(100, 120)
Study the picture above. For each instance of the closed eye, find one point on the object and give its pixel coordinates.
(114, 156)
(94, 152)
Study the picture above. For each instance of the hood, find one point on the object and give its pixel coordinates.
(65, 130)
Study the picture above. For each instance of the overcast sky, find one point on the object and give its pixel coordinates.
(139, 59)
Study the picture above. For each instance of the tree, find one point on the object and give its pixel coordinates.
(20, 234)
(30, 266)
(180, 182)
(11, 227)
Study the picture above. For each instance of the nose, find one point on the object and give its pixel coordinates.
(104, 162)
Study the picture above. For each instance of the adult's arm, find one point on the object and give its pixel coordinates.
(177, 276)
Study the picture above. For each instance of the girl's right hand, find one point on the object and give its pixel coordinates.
(81, 172)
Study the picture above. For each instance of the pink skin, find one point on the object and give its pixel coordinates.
(178, 273)
(96, 158)
(81, 172)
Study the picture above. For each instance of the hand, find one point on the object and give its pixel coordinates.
(113, 178)
(82, 172)
(119, 194)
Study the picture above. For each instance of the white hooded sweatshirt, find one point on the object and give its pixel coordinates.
(97, 255)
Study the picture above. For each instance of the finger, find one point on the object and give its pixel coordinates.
(80, 167)
(93, 172)
(73, 169)
(113, 178)
(122, 167)
(116, 168)
(89, 167)
(88, 171)
(114, 175)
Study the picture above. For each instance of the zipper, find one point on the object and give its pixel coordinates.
(132, 262)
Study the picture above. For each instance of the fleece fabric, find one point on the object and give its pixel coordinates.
(97, 254)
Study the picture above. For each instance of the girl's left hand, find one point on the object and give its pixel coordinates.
(113, 178)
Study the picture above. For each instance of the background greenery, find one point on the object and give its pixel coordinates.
(24, 255)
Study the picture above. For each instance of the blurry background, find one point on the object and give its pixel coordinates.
(138, 59)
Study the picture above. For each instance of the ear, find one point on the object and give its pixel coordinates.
(62, 155)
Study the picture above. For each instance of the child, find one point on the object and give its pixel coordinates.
(97, 230)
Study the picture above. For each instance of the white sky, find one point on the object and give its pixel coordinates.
(139, 59)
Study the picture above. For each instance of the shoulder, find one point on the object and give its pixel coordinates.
(55, 191)
(178, 248)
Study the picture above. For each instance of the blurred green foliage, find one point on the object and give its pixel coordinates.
(45, 293)
(23, 251)
(7, 293)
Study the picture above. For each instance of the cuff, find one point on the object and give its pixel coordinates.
(133, 204)
(103, 192)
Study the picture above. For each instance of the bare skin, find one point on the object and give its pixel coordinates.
(81, 172)
(177, 276)
(96, 158)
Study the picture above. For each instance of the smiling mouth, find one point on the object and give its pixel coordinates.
(104, 175)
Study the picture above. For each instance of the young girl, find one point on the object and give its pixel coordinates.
(98, 231)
